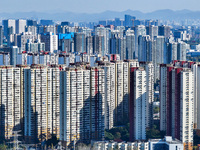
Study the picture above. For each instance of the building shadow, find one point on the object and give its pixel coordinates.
(2, 123)
(121, 112)
(91, 121)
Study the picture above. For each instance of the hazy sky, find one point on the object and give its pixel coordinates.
(95, 6)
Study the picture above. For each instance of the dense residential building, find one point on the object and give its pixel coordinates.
(177, 96)
(79, 42)
(129, 20)
(65, 42)
(20, 26)
(141, 100)
(1, 36)
(31, 22)
(186, 115)
(89, 45)
(144, 50)
(118, 45)
(181, 51)
(121, 91)
(109, 69)
(172, 49)
(137, 104)
(41, 106)
(9, 27)
(31, 29)
(139, 30)
(25, 38)
(53, 97)
(82, 100)
(130, 44)
(164, 31)
(35, 95)
(75, 105)
(51, 41)
(46, 22)
(99, 46)
(149, 68)
(10, 101)
(14, 50)
(74, 81)
(105, 32)
(158, 53)
(48, 29)
(97, 103)
(34, 47)
(4, 59)
(117, 83)
(153, 31)
(196, 72)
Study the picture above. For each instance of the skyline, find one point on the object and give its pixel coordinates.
(90, 13)
(71, 83)
(89, 6)
(164, 14)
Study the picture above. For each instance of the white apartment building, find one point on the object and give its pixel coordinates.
(75, 105)
(149, 68)
(24, 38)
(97, 95)
(41, 102)
(163, 98)
(177, 103)
(140, 106)
(119, 84)
(109, 70)
(35, 106)
(187, 109)
(53, 98)
(196, 73)
(10, 101)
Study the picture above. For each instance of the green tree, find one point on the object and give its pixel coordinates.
(154, 133)
(109, 136)
(195, 147)
(112, 133)
(156, 109)
(117, 135)
(125, 137)
(3, 147)
(196, 140)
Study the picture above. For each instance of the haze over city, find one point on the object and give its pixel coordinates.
(100, 75)
(94, 6)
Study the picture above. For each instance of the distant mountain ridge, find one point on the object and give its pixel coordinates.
(165, 14)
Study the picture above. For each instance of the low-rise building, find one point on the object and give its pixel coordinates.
(108, 145)
(165, 144)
